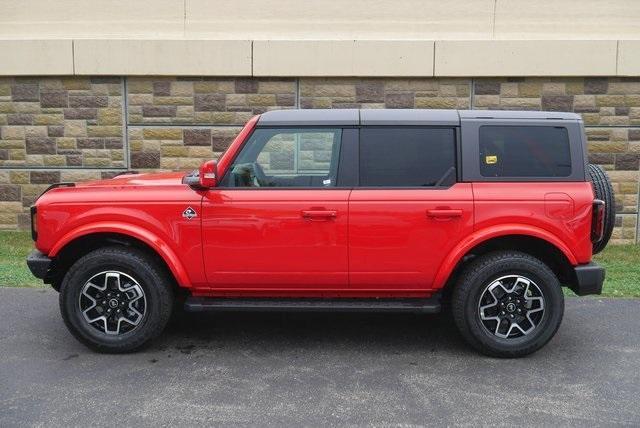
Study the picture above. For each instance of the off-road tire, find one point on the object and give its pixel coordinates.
(152, 277)
(473, 282)
(603, 191)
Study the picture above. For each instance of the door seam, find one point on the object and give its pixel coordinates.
(349, 239)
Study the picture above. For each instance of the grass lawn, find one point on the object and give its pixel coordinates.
(14, 248)
(622, 263)
(623, 270)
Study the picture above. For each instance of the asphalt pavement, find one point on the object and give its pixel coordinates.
(261, 369)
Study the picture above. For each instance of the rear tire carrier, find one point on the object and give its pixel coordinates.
(604, 192)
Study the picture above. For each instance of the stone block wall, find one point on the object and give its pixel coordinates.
(77, 128)
(205, 101)
(53, 123)
(385, 93)
(176, 147)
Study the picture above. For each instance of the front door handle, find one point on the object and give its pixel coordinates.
(444, 213)
(319, 215)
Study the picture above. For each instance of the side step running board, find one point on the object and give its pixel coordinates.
(202, 304)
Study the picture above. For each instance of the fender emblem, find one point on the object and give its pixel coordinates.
(189, 213)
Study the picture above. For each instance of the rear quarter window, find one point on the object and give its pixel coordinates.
(524, 151)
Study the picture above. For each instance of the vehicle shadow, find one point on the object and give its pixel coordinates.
(377, 332)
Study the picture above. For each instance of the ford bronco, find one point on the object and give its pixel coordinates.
(488, 213)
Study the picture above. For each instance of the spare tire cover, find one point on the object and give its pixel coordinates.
(603, 191)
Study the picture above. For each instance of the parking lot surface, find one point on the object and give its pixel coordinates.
(317, 370)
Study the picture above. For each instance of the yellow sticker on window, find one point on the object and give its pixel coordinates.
(490, 160)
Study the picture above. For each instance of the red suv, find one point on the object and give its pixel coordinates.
(490, 212)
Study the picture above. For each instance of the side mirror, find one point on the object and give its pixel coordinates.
(208, 174)
(206, 177)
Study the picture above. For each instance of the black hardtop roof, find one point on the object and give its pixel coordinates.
(354, 117)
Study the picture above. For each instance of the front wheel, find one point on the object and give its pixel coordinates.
(508, 304)
(116, 299)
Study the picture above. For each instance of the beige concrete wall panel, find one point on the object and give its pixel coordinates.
(335, 19)
(91, 18)
(526, 58)
(163, 57)
(36, 57)
(567, 19)
(629, 57)
(342, 58)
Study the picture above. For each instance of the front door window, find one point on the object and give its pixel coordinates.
(287, 158)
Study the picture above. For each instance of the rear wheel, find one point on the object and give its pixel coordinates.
(116, 299)
(507, 304)
(603, 191)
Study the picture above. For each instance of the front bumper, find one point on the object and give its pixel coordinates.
(588, 279)
(38, 264)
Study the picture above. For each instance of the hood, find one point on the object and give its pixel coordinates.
(154, 179)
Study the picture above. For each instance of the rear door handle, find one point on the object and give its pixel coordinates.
(319, 215)
(444, 213)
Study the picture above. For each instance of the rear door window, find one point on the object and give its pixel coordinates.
(407, 157)
(524, 151)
